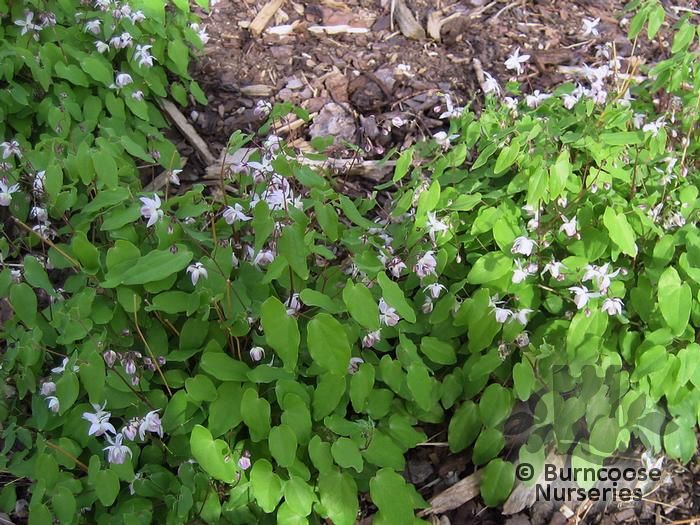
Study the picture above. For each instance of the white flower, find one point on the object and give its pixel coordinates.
(397, 122)
(569, 227)
(582, 295)
(590, 26)
(137, 16)
(38, 183)
(612, 306)
(387, 314)
(522, 340)
(62, 368)
(48, 388)
(116, 452)
(138, 95)
(16, 276)
(520, 273)
(125, 40)
(257, 353)
(570, 100)
(371, 338)
(293, 305)
(511, 103)
(638, 120)
(434, 290)
(651, 463)
(150, 423)
(452, 110)
(27, 24)
(262, 108)
(555, 269)
(102, 47)
(427, 306)
(123, 79)
(396, 266)
(6, 192)
(202, 33)
(502, 314)
(151, 209)
(490, 85)
(11, 148)
(435, 225)
(536, 98)
(99, 421)
(600, 276)
(516, 60)
(93, 26)
(654, 127)
(54, 404)
(244, 463)
(426, 265)
(234, 214)
(37, 212)
(263, 258)
(523, 246)
(443, 139)
(521, 315)
(354, 364)
(142, 56)
(196, 271)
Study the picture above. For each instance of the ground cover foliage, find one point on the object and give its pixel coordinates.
(271, 355)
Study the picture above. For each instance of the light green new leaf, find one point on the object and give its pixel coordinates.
(675, 300)
(107, 487)
(506, 158)
(281, 331)
(394, 297)
(464, 427)
(490, 267)
(223, 367)
(283, 445)
(403, 163)
(328, 344)
(495, 404)
(214, 456)
(255, 412)
(559, 173)
(621, 233)
(497, 481)
(338, 493)
(266, 485)
(299, 495)
(421, 385)
(24, 303)
(361, 305)
(440, 352)
(523, 379)
(291, 246)
(391, 496)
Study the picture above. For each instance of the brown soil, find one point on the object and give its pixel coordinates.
(359, 82)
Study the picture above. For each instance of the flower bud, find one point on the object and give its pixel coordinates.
(257, 353)
(110, 357)
(130, 367)
(48, 388)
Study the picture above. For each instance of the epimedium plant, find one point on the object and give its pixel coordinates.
(271, 354)
(81, 85)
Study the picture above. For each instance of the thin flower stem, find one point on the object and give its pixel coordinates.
(136, 392)
(70, 259)
(146, 345)
(70, 456)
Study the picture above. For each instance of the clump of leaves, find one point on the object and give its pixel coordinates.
(271, 355)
